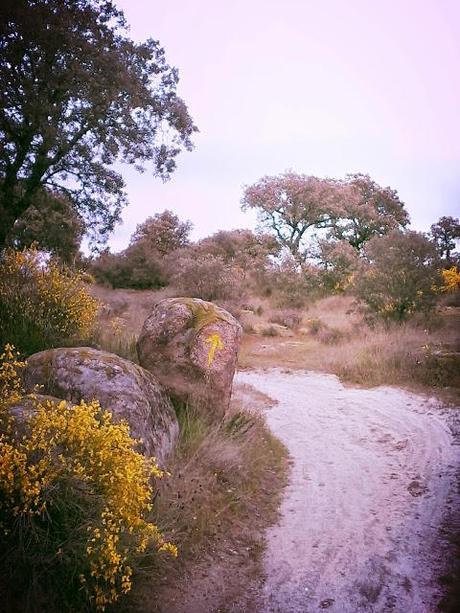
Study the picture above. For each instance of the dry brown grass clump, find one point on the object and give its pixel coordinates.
(290, 318)
(338, 312)
(131, 304)
(224, 488)
(217, 474)
(270, 331)
(398, 355)
(334, 337)
(122, 316)
(422, 352)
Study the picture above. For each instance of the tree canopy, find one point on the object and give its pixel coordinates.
(301, 209)
(77, 96)
(145, 263)
(240, 248)
(164, 232)
(53, 224)
(445, 233)
(367, 210)
(291, 204)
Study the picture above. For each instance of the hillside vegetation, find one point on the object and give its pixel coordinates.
(329, 335)
(333, 279)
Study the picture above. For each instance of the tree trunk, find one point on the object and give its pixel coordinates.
(6, 225)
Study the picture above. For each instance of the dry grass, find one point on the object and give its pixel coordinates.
(334, 337)
(132, 305)
(269, 331)
(399, 355)
(216, 472)
(336, 312)
(289, 318)
(331, 336)
(225, 486)
(121, 318)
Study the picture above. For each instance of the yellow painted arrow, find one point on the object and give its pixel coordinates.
(216, 343)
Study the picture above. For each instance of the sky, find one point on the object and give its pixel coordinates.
(321, 87)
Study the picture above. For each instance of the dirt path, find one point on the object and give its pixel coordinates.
(373, 474)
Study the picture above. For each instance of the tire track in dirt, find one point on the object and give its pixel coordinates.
(373, 474)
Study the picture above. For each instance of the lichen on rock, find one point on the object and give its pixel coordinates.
(130, 392)
(203, 313)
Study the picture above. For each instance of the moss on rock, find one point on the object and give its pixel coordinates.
(203, 313)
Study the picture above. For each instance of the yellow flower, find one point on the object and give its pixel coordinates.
(81, 445)
(451, 280)
(43, 301)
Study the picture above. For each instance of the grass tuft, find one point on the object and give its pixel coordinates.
(222, 478)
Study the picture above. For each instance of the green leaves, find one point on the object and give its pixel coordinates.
(79, 95)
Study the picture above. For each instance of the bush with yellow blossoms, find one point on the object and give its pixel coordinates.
(75, 497)
(42, 304)
(450, 279)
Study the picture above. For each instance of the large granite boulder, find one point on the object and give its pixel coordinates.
(191, 346)
(127, 390)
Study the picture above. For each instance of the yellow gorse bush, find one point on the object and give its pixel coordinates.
(42, 304)
(56, 445)
(451, 279)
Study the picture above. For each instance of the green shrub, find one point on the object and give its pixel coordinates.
(139, 266)
(293, 287)
(207, 277)
(401, 276)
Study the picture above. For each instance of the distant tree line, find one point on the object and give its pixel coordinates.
(316, 236)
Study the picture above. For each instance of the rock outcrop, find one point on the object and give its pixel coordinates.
(127, 390)
(191, 346)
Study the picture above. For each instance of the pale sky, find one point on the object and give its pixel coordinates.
(322, 87)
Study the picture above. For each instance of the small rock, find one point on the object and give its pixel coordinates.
(325, 604)
(415, 488)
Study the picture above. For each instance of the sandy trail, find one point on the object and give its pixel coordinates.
(373, 474)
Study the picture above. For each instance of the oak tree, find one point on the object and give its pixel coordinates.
(164, 232)
(367, 210)
(301, 210)
(445, 233)
(291, 205)
(77, 96)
